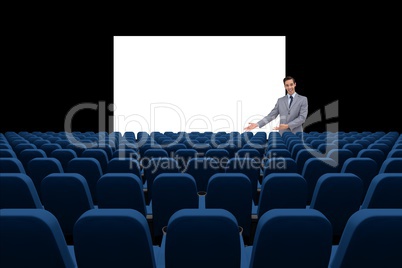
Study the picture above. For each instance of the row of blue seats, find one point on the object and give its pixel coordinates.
(27, 151)
(339, 155)
(203, 168)
(336, 195)
(384, 143)
(200, 238)
(289, 146)
(131, 135)
(310, 206)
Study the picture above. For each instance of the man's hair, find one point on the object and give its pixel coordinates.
(288, 78)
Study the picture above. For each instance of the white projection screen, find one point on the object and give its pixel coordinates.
(196, 83)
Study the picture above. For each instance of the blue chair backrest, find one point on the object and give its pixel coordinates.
(376, 154)
(77, 147)
(11, 165)
(248, 153)
(202, 238)
(385, 191)
(171, 192)
(249, 167)
(173, 147)
(202, 169)
(339, 156)
(32, 238)
(7, 152)
(381, 146)
(155, 166)
(292, 238)
(302, 156)
(364, 167)
(337, 196)
(88, 167)
(276, 152)
(282, 190)
(64, 156)
(126, 153)
(395, 153)
(154, 152)
(29, 154)
(113, 238)
(354, 148)
(391, 165)
(218, 153)
(98, 154)
(144, 147)
(121, 190)
(48, 148)
(18, 191)
(38, 168)
(231, 191)
(124, 165)
(279, 165)
(372, 238)
(67, 196)
(182, 157)
(313, 169)
(22, 146)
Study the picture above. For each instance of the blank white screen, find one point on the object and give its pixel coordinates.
(196, 83)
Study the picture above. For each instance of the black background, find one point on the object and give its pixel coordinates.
(55, 66)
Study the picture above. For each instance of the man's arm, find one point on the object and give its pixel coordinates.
(271, 116)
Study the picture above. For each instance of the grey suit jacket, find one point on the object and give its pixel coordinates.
(294, 116)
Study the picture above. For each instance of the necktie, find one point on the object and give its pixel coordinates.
(291, 99)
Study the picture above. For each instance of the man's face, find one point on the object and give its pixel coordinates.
(290, 86)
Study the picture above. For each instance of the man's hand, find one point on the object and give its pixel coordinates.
(281, 127)
(250, 126)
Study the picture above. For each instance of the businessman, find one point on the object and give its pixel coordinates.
(292, 109)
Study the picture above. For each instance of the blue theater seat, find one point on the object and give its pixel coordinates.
(282, 190)
(232, 192)
(313, 169)
(33, 238)
(364, 167)
(98, 154)
(67, 196)
(64, 156)
(7, 152)
(11, 165)
(155, 166)
(38, 168)
(200, 238)
(121, 190)
(249, 167)
(337, 196)
(114, 238)
(171, 192)
(90, 169)
(391, 165)
(29, 154)
(371, 238)
(202, 169)
(18, 191)
(289, 238)
(385, 191)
